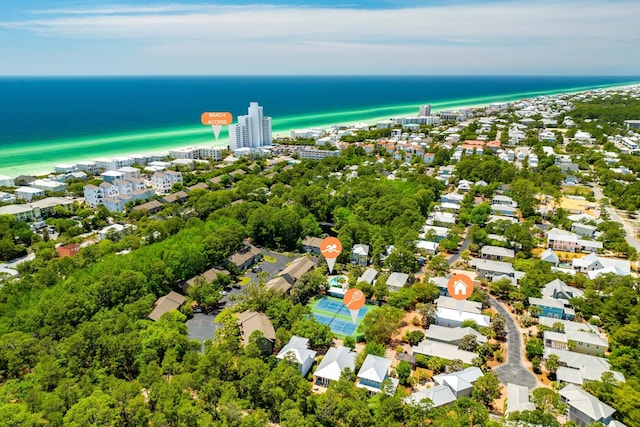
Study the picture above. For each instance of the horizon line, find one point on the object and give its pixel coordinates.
(316, 75)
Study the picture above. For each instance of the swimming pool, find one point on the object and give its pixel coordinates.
(337, 281)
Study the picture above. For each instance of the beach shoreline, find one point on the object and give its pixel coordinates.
(165, 139)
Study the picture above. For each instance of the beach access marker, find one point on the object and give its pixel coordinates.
(216, 120)
(460, 288)
(331, 248)
(354, 300)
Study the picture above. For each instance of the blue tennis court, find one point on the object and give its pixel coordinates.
(338, 326)
(338, 307)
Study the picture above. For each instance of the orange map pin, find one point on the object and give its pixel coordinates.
(331, 248)
(460, 288)
(354, 300)
(216, 120)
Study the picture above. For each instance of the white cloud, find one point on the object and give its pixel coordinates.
(516, 35)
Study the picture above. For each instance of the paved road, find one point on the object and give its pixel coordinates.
(513, 371)
(463, 247)
(631, 234)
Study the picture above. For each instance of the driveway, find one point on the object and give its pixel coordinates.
(202, 327)
(463, 247)
(513, 371)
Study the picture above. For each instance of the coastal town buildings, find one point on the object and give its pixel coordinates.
(252, 130)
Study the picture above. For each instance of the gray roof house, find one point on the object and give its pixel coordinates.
(576, 368)
(583, 408)
(438, 395)
(585, 230)
(333, 364)
(396, 281)
(496, 253)
(443, 350)
(297, 350)
(488, 268)
(518, 399)
(368, 276)
(452, 336)
(373, 372)
(460, 382)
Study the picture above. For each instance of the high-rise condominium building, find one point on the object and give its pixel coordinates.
(252, 130)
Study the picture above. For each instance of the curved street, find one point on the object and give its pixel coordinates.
(513, 371)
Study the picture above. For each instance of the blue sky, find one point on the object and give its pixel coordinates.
(96, 37)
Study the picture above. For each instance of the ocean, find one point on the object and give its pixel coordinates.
(45, 121)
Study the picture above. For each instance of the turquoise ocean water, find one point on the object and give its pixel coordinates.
(45, 121)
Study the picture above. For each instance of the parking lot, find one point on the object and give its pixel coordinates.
(202, 326)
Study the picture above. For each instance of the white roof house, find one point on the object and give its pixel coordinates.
(373, 372)
(550, 256)
(396, 281)
(583, 407)
(333, 364)
(518, 399)
(297, 350)
(452, 318)
(489, 268)
(576, 368)
(450, 303)
(452, 336)
(594, 265)
(443, 350)
(438, 395)
(460, 382)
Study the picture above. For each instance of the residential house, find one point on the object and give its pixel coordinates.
(297, 351)
(448, 314)
(438, 395)
(443, 219)
(576, 337)
(311, 244)
(373, 372)
(452, 336)
(559, 290)
(164, 304)
(583, 408)
(151, 207)
(434, 233)
(594, 265)
(430, 248)
(115, 232)
(28, 193)
(162, 182)
(487, 268)
(452, 198)
(576, 368)
(518, 399)
(71, 249)
(296, 269)
(550, 256)
(252, 321)
(208, 276)
(245, 257)
(496, 253)
(368, 276)
(177, 197)
(360, 255)
(562, 240)
(585, 230)
(553, 308)
(333, 365)
(461, 382)
(443, 350)
(395, 281)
